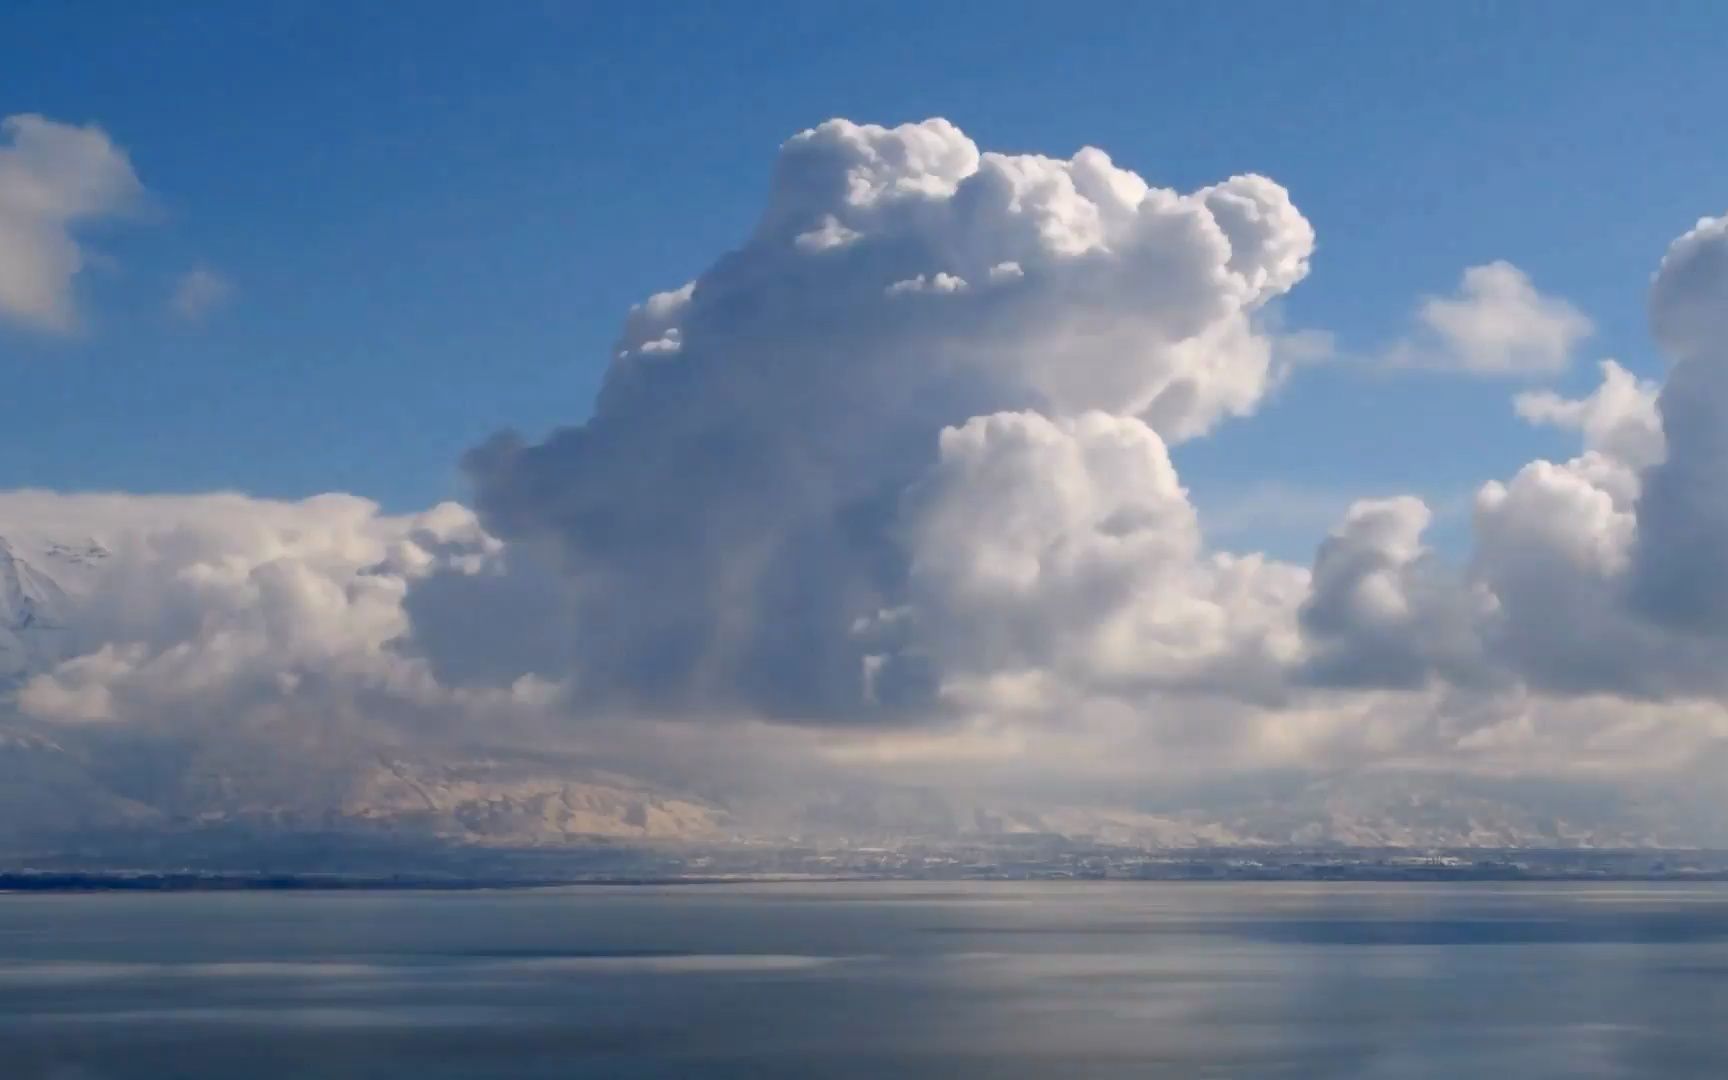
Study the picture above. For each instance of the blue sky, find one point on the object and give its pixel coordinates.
(434, 224)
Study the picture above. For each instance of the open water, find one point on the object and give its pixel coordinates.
(871, 980)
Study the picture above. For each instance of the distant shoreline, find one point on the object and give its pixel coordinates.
(122, 882)
(144, 882)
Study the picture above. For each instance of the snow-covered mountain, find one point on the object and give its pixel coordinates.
(1367, 809)
(47, 788)
(60, 784)
(39, 583)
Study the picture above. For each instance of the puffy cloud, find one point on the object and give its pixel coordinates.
(492, 619)
(1686, 312)
(1383, 611)
(734, 509)
(1618, 419)
(1553, 545)
(1595, 576)
(54, 177)
(186, 612)
(1544, 604)
(81, 688)
(198, 293)
(1067, 549)
(1497, 324)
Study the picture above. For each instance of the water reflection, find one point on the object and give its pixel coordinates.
(995, 980)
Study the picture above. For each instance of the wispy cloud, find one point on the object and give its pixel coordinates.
(199, 293)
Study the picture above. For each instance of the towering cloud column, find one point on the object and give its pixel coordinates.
(1681, 558)
(733, 519)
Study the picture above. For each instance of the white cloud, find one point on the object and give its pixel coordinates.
(1602, 574)
(198, 293)
(826, 236)
(54, 178)
(936, 283)
(1619, 418)
(205, 610)
(733, 508)
(1067, 549)
(1686, 310)
(1383, 610)
(1496, 324)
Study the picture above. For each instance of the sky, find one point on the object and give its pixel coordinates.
(1067, 404)
(430, 228)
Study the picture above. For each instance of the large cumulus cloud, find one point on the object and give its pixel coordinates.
(905, 455)
(736, 509)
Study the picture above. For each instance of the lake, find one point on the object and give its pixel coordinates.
(872, 980)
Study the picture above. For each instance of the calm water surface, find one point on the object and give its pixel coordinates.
(872, 980)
